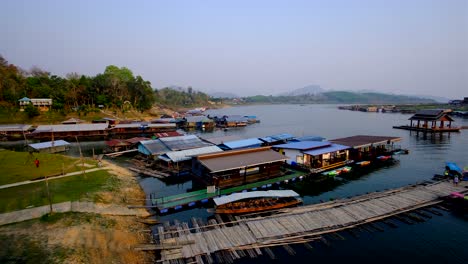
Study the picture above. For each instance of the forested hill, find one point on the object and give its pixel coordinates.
(115, 88)
(342, 97)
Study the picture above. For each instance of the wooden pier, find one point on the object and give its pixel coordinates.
(254, 235)
(190, 199)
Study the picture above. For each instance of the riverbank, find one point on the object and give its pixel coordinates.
(82, 237)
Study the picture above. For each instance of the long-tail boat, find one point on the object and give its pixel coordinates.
(257, 201)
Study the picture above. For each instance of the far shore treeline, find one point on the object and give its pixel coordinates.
(117, 88)
(114, 88)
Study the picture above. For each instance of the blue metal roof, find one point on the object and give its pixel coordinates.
(49, 144)
(329, 149)
(284, 136)
(243, 143)
(303, 145)
(310, 138)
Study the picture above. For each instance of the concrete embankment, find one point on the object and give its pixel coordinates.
(82, 207)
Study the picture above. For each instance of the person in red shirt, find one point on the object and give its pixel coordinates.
(37, 163)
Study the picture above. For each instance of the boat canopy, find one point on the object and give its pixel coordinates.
(453, 166)
(257, 194)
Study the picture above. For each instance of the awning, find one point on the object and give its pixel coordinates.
(257, 194)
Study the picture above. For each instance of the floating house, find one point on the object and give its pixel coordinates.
(180, 162)
(152, 148)
(237, 167)
(316, 156)
(241, 144)
(143, 128)
(83, 131)
(366, 147)
(50, 146)
(14, 131)
(197, 122)
(231, 121)
(118, 145)
(435, 120)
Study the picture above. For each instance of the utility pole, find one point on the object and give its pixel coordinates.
(48, 194)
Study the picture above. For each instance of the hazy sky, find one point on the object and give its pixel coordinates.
(249, 47)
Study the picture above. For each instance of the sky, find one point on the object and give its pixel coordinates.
(413, 47)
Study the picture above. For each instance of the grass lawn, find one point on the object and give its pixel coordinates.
(19, 166)
(65, 189)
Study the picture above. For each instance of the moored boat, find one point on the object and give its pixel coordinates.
(257, 201)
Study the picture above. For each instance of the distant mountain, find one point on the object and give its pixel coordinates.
(309, 89)
(340, 97)
(438, 99)
(222, 95)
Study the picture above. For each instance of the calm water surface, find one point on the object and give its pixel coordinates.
(439, 240)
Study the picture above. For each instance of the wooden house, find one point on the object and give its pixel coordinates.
(237, 167)
(82, 131)
(198, 122)
(435, 120)
(15, 131)
(315, 155)
(142, 129)
(367, 148)
(43, 104)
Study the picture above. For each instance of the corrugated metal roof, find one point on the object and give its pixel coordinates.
(69, 128)
(236, 118)
(257, 194)
(221, 140)
(155, 146)
(137, 125)
(243, 143)
(49, 144)
(235, 159)
(181, 155)
(329, 149)
(15, 127)
(310, 138)
(184, 142)
(364, 140)
(303, 145)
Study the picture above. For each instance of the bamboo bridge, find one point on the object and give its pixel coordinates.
(255, 234)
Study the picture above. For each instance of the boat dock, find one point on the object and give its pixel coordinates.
(190, 199)
(255, 234)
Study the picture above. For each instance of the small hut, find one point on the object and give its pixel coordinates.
(50, 146)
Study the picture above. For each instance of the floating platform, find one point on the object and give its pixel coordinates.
(430, 130)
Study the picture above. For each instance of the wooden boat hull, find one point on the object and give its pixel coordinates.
(257, 209)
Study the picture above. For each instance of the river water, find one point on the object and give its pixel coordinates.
(441, 239)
